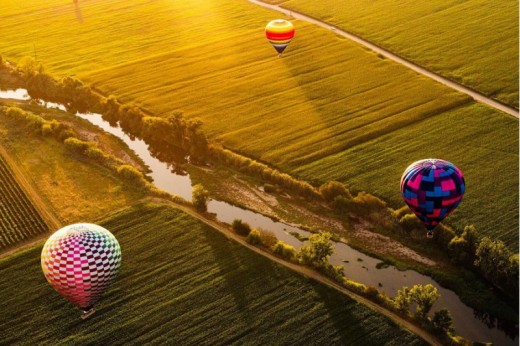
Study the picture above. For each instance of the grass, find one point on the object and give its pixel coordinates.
(75, 189)
(19, 219)
(472, 42)
(305, 113)
(489, 164)
(182, 282)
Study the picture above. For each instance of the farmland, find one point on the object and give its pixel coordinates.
(325, 99)
(491, 172)
(472, 42)
(19, 219)
(63, 181)
(181, 282)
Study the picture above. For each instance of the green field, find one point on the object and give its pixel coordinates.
(182, 282)
(324, 100)
(489, 164)
(63, 180)
(472, 42)
(19, 219)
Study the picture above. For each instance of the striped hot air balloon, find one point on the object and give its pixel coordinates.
(432, 189)
(279, 32)
(80, 261)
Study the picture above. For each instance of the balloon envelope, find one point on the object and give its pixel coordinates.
(80, 261)
(432, 189)
(279, 32)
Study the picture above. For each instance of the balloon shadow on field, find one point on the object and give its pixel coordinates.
(239, 282)
(77, 10)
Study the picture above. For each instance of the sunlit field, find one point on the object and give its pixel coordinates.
(182, 282)
(472, 42)
(320, 112)
(74, 189)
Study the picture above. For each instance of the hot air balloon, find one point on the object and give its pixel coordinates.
(80, 261)
(279, 32)
(432, 189)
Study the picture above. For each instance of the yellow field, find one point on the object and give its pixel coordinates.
(472, 42)
(325, 99)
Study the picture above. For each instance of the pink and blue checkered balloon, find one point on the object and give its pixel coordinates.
(432, 189)
(80, 261)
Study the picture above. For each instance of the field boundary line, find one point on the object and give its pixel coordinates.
(477, 96)
(50, 219)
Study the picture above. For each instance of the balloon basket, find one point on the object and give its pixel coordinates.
(87, 314)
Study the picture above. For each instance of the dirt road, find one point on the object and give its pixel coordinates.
(474, 94)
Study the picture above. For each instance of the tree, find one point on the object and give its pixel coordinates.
(442, 321)
(496, 262)
(200, 198)
(425, 296)
(332, 189)
(318, 250)
(403, 299)
(241, 227)
(492, 258)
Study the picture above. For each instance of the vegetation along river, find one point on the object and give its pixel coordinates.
(357, 266)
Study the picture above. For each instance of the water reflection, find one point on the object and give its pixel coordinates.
(172, 178)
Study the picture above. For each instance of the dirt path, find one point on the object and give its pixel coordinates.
(305, 271)
(50, 219)
(474, 94)
(294, 267)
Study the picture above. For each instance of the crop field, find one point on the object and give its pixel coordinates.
(305, 113)
(19, 219)
(472, 42)
(491, 170)
(182, 282)
(75, 190)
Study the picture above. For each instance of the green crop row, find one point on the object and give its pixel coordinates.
(182, 282)
(472, 42)
(19, 219)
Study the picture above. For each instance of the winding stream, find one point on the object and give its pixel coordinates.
(357, 266)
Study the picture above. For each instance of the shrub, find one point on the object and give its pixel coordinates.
(131, 175)
(241, 227)
(254, 237)
(200, 198)
(410, 223)
(268, 238)
(332, 271)
(285, 250)
(371, 293)
(318, 250)
(77, 145)
(365, 203)
(332, 189)
(399, 213)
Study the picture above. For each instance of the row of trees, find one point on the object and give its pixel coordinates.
(316, 254)
(175, 132)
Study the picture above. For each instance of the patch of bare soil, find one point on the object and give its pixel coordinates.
(386, 245)
(91, 136)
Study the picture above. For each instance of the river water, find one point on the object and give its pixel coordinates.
(357, 266)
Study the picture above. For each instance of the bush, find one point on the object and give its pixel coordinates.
(268, 238)
(254, 237)
(200, 198)
(285, 251)
(241, 227)
(331, 271)
(332, 189)
(77, 145)
(410, 223)
(131, 175)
